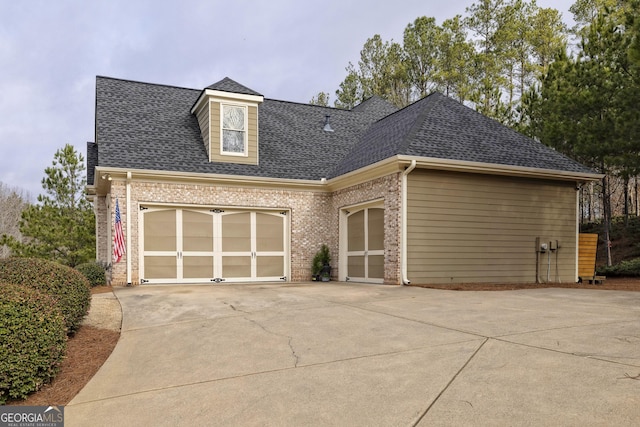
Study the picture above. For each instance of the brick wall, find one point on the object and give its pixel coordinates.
(388, 189)
(309, 216)
(102, 233)
(314, 217)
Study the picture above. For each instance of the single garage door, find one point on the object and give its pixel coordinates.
(365, 245)
(185, 245)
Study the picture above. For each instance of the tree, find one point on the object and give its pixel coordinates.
(350, 93)
(397, 86)
(322, 99)
(484, 21)
(61, 226)
(453, 71)
(548, 38)
(633, 26)
(586, 11)
(586, 106)
(381, 71)
(12, 202)
(421, 54)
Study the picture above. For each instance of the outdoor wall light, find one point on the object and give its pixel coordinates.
(106, 176)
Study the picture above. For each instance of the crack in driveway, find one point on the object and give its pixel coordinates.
(290, 338)
(451, 382)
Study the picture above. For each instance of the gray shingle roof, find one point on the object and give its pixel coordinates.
(149, 126)
(375, 105)
(440, 127)
(228, 85)
(92, 161)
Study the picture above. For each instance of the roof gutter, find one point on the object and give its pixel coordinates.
(208, 178)
(498, 169)
(403, 222)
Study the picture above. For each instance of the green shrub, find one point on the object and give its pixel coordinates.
(625, 268)
(68, 286)
(320, 259)
(32, 340)
(94, 272)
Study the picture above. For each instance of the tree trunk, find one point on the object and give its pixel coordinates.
(626, 201)
(636, 197)
(581, 204)
(606, 204)
(590, 202)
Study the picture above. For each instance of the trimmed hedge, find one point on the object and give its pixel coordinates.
(68, 286)
(32, 340)
(629, 268)
(94, 272)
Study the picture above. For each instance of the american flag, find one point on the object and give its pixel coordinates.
(118, 237)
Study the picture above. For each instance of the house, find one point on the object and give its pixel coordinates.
(222, 184)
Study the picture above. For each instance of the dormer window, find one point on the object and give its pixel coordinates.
(234, 130)
(227, 114)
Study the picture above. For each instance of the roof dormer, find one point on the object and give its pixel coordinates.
(227, 114)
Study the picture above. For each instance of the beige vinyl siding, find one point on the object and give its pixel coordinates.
(466, 227)
(203, 122)
(216, 137)
(252, 135)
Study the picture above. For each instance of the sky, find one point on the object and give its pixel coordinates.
(52, 50)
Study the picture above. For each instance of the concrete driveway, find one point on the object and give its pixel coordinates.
(370, 355)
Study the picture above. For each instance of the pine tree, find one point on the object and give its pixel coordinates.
(61, 226)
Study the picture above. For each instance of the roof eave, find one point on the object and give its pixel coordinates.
(376, 170)
(118, 174)
(210, 93)
(499, 169)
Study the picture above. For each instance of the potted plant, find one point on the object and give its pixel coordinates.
(321, 269)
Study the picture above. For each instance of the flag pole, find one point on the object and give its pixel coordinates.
(128, 242)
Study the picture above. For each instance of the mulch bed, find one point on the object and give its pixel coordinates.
(612, 284)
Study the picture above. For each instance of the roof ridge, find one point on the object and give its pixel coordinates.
(227, 84)
(417, 124)
(308, 104)
(145, 83)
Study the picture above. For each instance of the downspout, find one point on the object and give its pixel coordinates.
(403, 221)
(128, 240)
(578, 216)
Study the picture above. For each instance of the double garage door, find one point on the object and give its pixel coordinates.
(184, 245)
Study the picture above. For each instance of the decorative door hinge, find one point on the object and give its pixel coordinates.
(284, 278)
(144, 281)
(216, 210)
(143, 208)
(217, 280)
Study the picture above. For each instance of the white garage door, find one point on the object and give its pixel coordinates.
(365, 245)
(184, 245)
